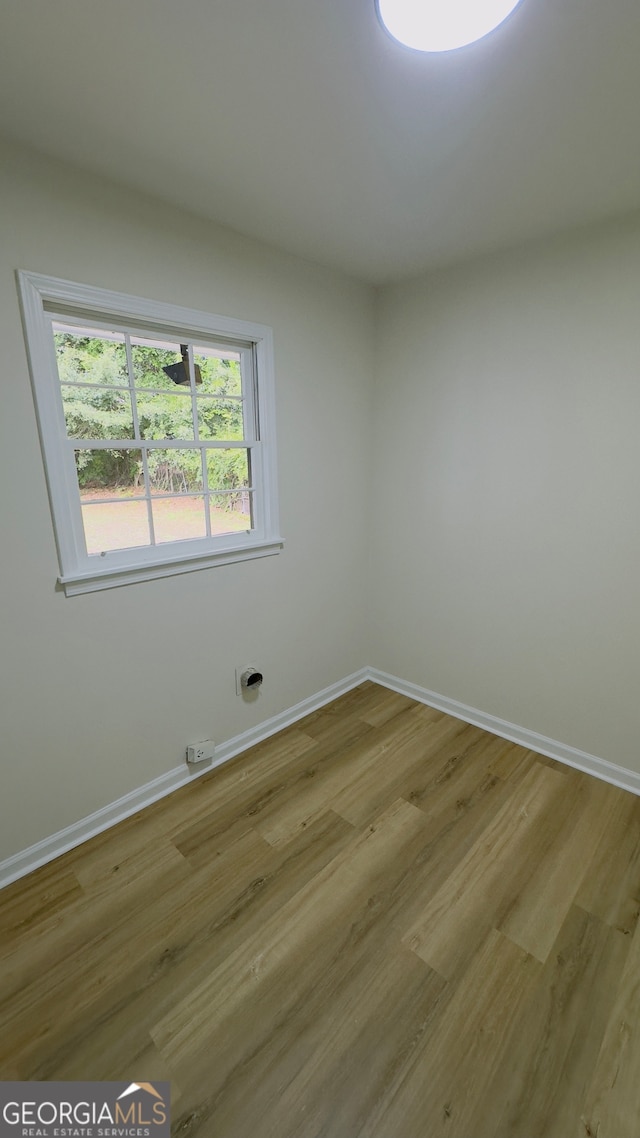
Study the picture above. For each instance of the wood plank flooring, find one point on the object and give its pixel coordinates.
(382, 923)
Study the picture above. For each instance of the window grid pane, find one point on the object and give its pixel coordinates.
(179, 518)
(232, 512)
(178, 393)
(154, 503)
(93, 412)
(90, 356)
(115, 525)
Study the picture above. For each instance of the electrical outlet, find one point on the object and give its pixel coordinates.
(200, 752)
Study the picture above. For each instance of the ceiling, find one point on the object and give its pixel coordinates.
(300, 122)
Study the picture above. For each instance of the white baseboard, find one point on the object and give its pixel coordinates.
(49, 848)
(570, 756)
(27, 860)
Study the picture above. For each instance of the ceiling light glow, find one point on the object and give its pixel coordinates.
(442, 25)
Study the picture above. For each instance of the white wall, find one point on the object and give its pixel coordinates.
(100, 693)
(505, 515)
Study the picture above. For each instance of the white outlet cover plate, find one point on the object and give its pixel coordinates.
(201, 752)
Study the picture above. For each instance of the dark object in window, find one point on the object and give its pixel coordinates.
(179, 373)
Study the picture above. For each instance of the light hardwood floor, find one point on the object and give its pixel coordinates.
(382, 923)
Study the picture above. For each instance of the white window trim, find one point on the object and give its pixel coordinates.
(80, 572)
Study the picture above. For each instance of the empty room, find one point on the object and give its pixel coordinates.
(320, 515)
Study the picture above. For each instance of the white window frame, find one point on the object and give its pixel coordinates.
(46, 299)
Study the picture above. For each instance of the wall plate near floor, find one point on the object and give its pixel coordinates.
(200, 752)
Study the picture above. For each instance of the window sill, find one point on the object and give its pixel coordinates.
(74, 583)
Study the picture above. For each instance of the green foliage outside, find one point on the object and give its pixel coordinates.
(105, 413)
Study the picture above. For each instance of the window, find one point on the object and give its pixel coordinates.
(157, 430)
